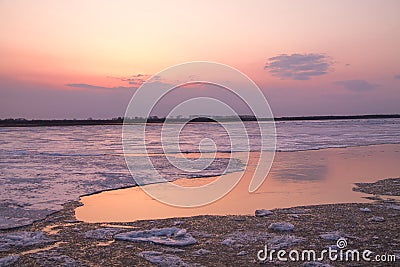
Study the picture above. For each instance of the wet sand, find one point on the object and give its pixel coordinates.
(296, 179)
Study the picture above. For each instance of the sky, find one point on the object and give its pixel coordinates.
(80, 59)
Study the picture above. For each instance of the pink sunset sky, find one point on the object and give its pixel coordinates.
(79, 59)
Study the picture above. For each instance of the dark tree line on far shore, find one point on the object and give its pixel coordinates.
(21, 122)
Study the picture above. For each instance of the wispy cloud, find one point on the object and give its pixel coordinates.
(356, 85)
(298, 66)
(96, 87)
(397, 77)
(137, 79)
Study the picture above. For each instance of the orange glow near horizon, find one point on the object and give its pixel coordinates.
(54, 43)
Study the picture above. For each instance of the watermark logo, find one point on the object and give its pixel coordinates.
(237, 94)
(341, 243)
(332, 254)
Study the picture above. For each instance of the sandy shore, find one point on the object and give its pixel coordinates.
(61, 240)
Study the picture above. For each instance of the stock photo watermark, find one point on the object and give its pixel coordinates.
(338, 253)
(198, 75)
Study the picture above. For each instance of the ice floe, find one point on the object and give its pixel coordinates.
(22, 239)
(365, 209)
(201, 252)
(332, 236)
(274, 241)
(8, 260)
(281, 226)
(102, 233)
(51, 258)
(263, 213)
(376, 219)
(315, 264)
(164, 236)
(161, 259)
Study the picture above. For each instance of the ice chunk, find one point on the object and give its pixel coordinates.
(263, 213)
(165, 236)
(22, 239)
(281, 226)
(160, 259)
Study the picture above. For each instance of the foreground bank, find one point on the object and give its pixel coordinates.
(61, 240)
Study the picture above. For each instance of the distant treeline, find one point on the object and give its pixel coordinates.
(21, 122)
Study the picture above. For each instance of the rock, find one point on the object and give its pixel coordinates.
(201, 252)
(160, 259)
(263, 213)
(331, 236)
(164, 236)
(102, 233)
(281, 226)
(315, 264)
(22, 239)
(365, 209)
(376, 219)
(241, 253)
(8, 260)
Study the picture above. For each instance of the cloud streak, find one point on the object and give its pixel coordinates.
(138, 79)
(298, 66)
(356, 85)
(96, 87)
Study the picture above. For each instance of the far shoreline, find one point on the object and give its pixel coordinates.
(21, 122)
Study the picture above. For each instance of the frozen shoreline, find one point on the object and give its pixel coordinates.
(60, 239)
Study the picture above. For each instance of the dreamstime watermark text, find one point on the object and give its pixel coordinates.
(336, 253)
